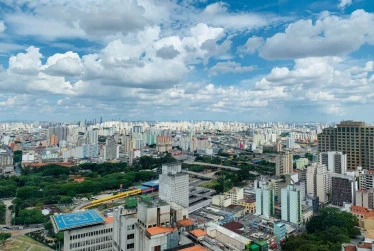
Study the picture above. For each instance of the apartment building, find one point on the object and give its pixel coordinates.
(353, 138)
(284, 164)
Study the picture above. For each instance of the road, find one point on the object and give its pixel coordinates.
(8, 213)
(212, 165)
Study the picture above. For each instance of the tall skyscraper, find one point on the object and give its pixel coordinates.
(174, 184)
(291, 204)
(284, 164)
(335, 161)
(353, 138)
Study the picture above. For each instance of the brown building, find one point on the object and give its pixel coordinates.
(284, 164)
(353, 138)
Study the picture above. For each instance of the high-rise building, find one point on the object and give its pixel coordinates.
(318, 181)
(343, 189)
(291, 204)
(123, 230)
(153, 229)
(290, 143)
(284, 164)
(111, 150)
(365, 198)
(366, 179)
(353, 138)
(265, 201)
(174, 184)
(335, 161)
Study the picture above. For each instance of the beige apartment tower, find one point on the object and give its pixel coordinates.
(284, 164)
(353, 138)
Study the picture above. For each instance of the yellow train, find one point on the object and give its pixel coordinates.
(112, 198)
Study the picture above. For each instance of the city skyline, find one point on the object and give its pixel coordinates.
(293, 61)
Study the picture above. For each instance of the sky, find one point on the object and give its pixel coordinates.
(253, 60)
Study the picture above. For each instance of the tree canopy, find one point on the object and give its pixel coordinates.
(326, 231)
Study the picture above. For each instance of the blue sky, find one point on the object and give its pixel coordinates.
(285, 60)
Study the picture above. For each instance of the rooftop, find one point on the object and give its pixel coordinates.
(77, 220)
(160, 230)
(198, 232)
(195, 248)
(185, 223)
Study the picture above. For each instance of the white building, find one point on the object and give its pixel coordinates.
(174, 185)
(318, 181)
(366, 179)
(290, 143)
(123, 230)
(291, 204)
(336, 162)
(86, 230)
(265, 201)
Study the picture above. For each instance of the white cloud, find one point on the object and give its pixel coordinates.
(26, 63)
(328, 36)
(252, 45)
(229, 67)
(2, 26)
(67, 64)
(344, 3)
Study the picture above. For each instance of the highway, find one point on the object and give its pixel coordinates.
(212, 165)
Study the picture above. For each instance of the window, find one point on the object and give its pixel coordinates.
(130, 245)
(130, 236)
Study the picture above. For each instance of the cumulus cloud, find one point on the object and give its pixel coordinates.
(229, 67)
(67, 64)
(26, 63)
(328, 36)
(344, 3)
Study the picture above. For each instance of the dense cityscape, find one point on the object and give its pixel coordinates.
(186, 185)
(186, 125)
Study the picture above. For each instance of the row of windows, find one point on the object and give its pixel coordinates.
(92, 233)
(91, 241)
(94, 248)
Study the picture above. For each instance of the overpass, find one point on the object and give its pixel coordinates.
(199, 175)
(212, 165)
(112, 198)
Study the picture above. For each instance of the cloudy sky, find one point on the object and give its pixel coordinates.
(253, 60)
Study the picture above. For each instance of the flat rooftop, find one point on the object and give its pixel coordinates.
(77, 220)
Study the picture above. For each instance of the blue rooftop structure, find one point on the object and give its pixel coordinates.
(152, 183)
(77, 220)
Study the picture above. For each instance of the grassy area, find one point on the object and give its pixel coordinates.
(16, 246)
(209, 184)
(39, 248)
(27, 241)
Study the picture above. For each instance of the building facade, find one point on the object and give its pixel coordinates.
(291, 204)
(284, 164)
(174, 185)
(343, 189)
(353, 138)
(335, 161)
(265, 201)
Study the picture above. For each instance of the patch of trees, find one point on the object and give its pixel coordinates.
(2, 213)
(229, 179)
(326, 231)
(17, 156)
(30, 216)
